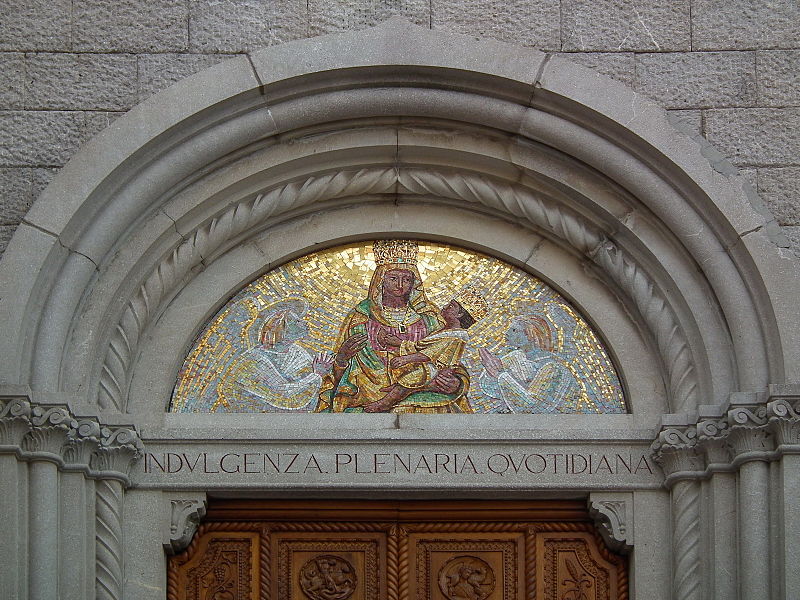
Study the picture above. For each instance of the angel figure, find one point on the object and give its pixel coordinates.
(530, 378)
(277, 374)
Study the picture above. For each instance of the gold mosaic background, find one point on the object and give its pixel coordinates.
(330, 283)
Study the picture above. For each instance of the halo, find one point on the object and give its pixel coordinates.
(294, 304)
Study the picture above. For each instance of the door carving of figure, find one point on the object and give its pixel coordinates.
(349, 550)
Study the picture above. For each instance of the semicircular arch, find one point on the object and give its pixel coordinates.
(220, 159)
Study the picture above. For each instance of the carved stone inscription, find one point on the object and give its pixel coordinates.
(257, 465)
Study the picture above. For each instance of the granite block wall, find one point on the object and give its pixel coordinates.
(729, 69)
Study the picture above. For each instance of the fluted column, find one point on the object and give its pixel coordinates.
(42, 447)
(784, 423)
(76, 513)
(751, 444)
(675, 451)
(15, 423)
(111, 462)
(719, 494)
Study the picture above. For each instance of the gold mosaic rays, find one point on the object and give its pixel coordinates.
(230, 369)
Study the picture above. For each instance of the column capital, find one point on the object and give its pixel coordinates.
(712, 440)
(82, 440)
(119, 448)
(50, 426)
(783, 416)
(675, 450)
(15, 421)
(749, 437)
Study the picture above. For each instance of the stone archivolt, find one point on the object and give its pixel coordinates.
(262, 143)
(566, 224)
(414, 123)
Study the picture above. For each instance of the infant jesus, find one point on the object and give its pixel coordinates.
(416, 366)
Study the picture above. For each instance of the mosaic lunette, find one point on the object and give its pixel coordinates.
(327, 332)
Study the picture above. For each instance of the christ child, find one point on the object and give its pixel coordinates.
(416, 366)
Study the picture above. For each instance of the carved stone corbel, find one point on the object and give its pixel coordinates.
(185, 514)
(15, 422)
(48, 434)
(613, 514)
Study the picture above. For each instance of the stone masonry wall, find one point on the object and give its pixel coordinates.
(729, 69)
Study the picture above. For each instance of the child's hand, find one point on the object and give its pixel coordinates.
(398, 361)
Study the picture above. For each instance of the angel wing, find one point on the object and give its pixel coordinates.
(228, 335)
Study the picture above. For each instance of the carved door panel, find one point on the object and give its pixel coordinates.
(454, 554)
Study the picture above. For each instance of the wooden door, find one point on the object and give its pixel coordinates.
(397, 551)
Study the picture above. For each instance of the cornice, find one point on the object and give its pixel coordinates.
(749, 427)
(52, 433)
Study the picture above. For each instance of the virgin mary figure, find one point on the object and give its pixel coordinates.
(395, 310)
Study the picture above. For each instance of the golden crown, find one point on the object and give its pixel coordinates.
(401, 252)
(472, 302)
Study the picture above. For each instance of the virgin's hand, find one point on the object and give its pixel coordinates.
(491, 363)
(397, 362)
(445, 382)
(388, 339)
(350, 347)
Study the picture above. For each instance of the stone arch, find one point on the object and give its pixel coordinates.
(396, 114)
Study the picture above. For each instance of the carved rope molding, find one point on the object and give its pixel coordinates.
(119, 448)
(162, 281)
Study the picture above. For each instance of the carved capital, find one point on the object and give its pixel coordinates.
(712, 439)
(83, 439)
(15, 420)
(613, 515)
(48, 434)
(185, 516)
(784, 421)
(749, 437)
(675, 450)
(119, 448)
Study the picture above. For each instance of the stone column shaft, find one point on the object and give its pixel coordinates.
(43, 530)
(753, 495)
(686, 540)
(15, 423)
(723, 514)
(675, 451)
(118, 449)
(13, 526)
(77, 535)
(108, 579)
(789, 524)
